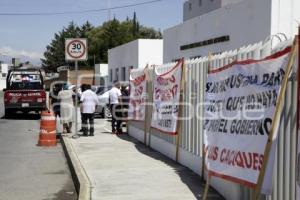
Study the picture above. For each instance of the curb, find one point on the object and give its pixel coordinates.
(80, 179)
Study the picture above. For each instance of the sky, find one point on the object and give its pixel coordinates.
(27, 36)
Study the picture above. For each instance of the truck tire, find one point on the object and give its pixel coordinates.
(7, 113)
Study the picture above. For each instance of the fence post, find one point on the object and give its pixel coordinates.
(179, 122)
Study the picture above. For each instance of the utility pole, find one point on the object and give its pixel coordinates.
(109, 10)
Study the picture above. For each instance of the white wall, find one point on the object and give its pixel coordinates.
(2, 83)
(3, 73)
(285, 14)
(245, 22)
(137, 54)
(101, 72)
(197, 10)
(125, 55)
(150, 52)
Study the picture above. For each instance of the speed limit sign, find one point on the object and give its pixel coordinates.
(76, 49)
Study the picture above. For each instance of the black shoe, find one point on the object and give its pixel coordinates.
(84, 135)
(92, 134)
(81, 130)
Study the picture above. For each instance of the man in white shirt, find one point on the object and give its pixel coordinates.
(89, 102)
(114, 101)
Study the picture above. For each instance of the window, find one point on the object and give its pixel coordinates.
(128, 71)
(123, 74)
(190, 6)
(117, 74)
(200, 3)
(111, 75)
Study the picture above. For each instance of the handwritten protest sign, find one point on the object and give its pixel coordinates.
(240, 102)
(166, 99)
(136, 110)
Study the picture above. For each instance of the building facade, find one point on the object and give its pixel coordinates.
(194, 8)
(135, 54)
(218, 26)
(3, 73)
(101, 74)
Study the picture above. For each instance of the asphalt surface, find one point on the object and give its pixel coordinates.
(27, 171)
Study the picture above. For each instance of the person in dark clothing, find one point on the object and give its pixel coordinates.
(125, 100)
(54, 99)
(83, 88)
(124, 104)
(115, 103)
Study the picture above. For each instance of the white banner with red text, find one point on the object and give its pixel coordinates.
(137, 100)
(240, 102)
(166, 100)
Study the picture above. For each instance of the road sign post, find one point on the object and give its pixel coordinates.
(76, 50)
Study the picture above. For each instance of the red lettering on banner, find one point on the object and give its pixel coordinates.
(212, 152)
(248, 160)
(164, 81)
(255, 161)
(138, 91)
(239, 160)
(248, 164)
(166, 95)
(137, 81)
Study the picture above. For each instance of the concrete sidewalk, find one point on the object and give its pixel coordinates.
(120, 167)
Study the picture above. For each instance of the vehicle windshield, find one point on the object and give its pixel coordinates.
(102, 90)
(25, 81)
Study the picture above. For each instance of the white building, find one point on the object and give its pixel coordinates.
(135, 54)
(218, 25)
(194, 8)
(3, 73)
(101, 74)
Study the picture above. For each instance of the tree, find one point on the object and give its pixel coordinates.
(100, 39)
(135, 25)
(55, 51)
(115, 33)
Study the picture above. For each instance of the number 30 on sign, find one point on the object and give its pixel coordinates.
(76, 49)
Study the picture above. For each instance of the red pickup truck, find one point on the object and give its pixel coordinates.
(24, 91)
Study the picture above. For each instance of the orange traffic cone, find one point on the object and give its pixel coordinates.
(48, 129)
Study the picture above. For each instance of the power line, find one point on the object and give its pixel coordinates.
(80, 11)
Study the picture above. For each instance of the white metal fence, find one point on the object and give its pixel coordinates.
(192, 132)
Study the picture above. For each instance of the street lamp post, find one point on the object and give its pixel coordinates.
(109, 10)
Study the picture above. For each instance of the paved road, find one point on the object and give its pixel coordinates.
(1, 104)
(29, 172)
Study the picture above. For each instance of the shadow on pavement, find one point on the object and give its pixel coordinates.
(23, 116)
(191, 179)
(66, 193)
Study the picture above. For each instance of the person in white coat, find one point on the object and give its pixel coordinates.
(65, 97)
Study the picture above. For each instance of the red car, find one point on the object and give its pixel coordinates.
(24, 91)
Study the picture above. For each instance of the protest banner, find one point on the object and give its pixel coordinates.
(298, 124)
(137, 100)
(241, 102)
(166, 99)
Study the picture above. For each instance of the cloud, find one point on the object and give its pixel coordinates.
(32, 55)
